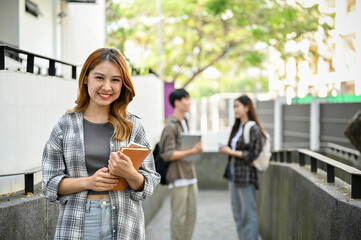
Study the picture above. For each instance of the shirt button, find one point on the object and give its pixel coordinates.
(114, 231)
(113, 207)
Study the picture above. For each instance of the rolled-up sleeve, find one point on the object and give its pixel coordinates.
(255, 145)
(151, 179)
(53, 166)
(147, 169)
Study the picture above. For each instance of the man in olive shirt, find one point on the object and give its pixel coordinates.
(181, 175)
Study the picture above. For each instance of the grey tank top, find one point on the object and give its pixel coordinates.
(97, 147)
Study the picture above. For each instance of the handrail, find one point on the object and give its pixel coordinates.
(30, 60)
(285, 156)
(338, 149)
(29, 177)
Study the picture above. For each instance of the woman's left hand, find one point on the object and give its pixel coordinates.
(120, 165)
(225, 150)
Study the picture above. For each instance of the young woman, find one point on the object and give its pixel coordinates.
(82, 162)
(241, 174)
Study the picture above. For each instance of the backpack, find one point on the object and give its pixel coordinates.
(262, 161)
(160, 165)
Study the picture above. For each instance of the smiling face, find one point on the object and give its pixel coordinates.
(239, 109)
(104, 84)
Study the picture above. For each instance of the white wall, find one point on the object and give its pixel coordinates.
(37, 33)
(148, 104)
(70, 38)
(85, 30)
(9, 22)
(30, 105)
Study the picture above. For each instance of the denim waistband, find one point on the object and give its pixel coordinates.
(101, 203)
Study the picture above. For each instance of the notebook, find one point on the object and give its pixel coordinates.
(137, 153)
(187, 142)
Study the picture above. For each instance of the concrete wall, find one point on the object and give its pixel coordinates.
(35, 218)
(24, 217)
(152, 204)
(210, 170)
(295, 204)
(292, 202)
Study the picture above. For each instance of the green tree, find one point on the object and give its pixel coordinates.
(204, 33)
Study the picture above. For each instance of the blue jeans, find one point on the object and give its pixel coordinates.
(243, 201)
(98, 220)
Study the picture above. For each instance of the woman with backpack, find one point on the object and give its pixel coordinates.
(240, 172)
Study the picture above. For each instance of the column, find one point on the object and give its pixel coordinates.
(278, 122)
(315, 129)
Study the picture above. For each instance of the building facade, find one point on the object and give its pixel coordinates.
(333, 69)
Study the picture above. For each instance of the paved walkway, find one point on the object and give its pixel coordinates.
(214, 220)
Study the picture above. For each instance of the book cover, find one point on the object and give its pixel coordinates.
(187, 142)
(137, 153)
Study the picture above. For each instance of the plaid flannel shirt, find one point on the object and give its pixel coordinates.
(245, 172)
(64, 157)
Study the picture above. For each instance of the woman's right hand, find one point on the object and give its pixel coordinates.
(225, 150)
(102, 180)
(197, 148)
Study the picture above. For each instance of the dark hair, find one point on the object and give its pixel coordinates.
(177, 94)
(246, 101)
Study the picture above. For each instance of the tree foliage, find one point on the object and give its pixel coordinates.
(204, 33)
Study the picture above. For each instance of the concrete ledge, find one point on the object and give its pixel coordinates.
(33, 217)
(154, 203)
(23, 217)
(210, 170)
(294, 203)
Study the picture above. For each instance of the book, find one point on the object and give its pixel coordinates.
(187, 142)
(137, 153)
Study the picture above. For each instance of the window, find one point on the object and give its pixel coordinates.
(32, 8)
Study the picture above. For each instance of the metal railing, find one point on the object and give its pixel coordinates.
(353, 175)
(30, 60)
(28, 177)
(341, 151)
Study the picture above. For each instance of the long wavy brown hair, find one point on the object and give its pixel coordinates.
(118, 109)
(246, 101)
